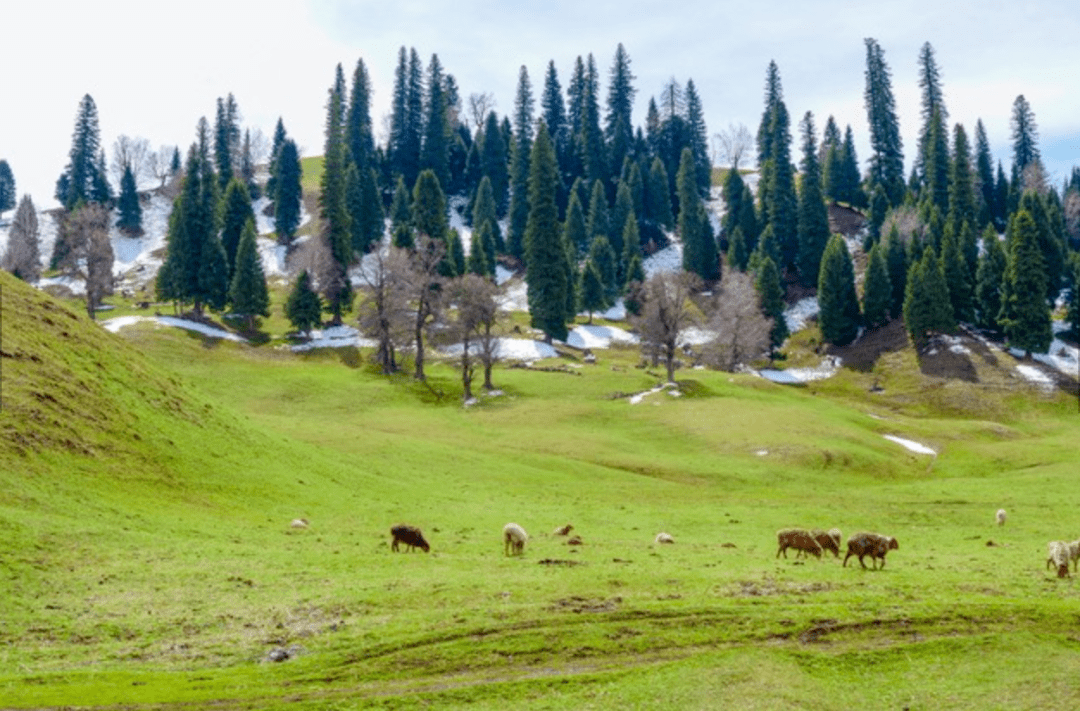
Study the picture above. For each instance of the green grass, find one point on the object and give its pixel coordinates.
(147, 481)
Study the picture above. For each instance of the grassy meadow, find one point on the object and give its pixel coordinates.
(148, 479)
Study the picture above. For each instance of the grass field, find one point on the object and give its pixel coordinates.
(147, 482)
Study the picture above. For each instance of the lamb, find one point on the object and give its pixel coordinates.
(1000, 517)
(410, 536)
(798, 538)
(562, 530)
(829, 541)
(871, 544)
(1057, 552)
(664, 538)
(514, 538)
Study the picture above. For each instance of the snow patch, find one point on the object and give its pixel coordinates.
(800, 313)
(794, 376)
(335, 337)
(910, 445)
(598, 336)
(115, 324)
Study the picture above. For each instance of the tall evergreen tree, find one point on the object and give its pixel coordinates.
(1025, 315)
(984, 177)
(519, 165)
(620, 209)
(631, 247)
(553, 111)
(781, 210)
(435, 150)
(658, 196)
(78, 181)
(837, 299)
(590, 139)
(591, 289)
(576, 232)
(852, 191)
(429, 214)
(988, 281)
(877, 290)
(813, 217)
(401, 216)
(927, 309)
(130, 220)
(493, 163)
(897, 266)
(699, 248)
(1048, 239)
(962, 203)
(484, 211)
(618, 123)
(288, 192)
(7, 187)
(771, 289)
(933, 100)
(226, 140)
(247, 167)
(303, 307)
(599, 215)
(369, 221)
(358, 133)
(275, 148)
(773, 95)
(1025, 135)
(248, 294)
(697, 139)
(337, 223)
(546, 273)
(603, 258)
(937, 165)
(958, 276)
(887, 162)
(236, 212)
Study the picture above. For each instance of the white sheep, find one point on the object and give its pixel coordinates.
(1057, 552)
(1000, 517)
(664, 538)
(514, 538)
(299, 523)
(1074, 552)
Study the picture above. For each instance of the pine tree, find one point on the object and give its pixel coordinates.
(927, 309)
(602, 256)
(553, 111)
(575, 230)
(1025, 135)
(275, 149)
(877, 290)
(658, 196)
(22, 257)
(984, 177)
(618, 124)
(429, 215)
(484, 211)
(455, 255)
(771, 291)
(897, 266)
(737, 254)
(697, 139)
(852, 191)
(699, 250)
(493, 163)
(933, 101)
(937, 165)
(599, 217)
(837, 299)
(236, 212)
(130, 220)
(435, 150)
(813, 217)
(78, 181)
(1049, 239)
(358, 133)
(988, 281)
(962, 203)
(1025, 315)
(631, 247)
(288, 193)
(591, 289)
(887, 163)
(958, 276)
(226, 140)
(782, 208)
(773, 95)
(590, 138)
(337, 230)
(7, 187)
(546, 273)
(304, 307)
(620, 209)
(477, 262)
(401, 216)
(519, 165)
(248, 294)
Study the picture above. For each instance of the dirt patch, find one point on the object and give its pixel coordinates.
(553, 561)
(863, 354)
(845, 220)
(584, 604)
(764, 588)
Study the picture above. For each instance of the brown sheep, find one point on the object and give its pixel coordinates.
(829, 541)
(798, 538)
(1057, 552)
(410, 536)
(562, 530)
(871, 544)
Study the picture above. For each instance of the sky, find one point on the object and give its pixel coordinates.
(153, 68)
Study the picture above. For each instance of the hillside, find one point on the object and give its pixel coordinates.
(149, 479)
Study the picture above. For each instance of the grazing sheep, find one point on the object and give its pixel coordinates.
(798, 538)
(1074, 552)
(664, 538)
(514, 538)
(829, 541)
(871, 544)
(1057, 552)
(410, 536)
(1000, 517)
(299, 523)
(562, 530)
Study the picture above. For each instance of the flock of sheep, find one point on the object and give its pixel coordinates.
(803, 541)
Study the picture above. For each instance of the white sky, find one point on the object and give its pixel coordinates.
(154, 68)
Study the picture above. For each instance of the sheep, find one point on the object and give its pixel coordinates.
(1074, 552)
(299, 523)
(562, 530)
(514, 538)
(871, 544)
(829, 541)
(1000, 517)
(798, 538)
(410, 536)
(1057, 552)
(664, 538)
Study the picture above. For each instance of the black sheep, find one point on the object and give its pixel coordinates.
(410, 536)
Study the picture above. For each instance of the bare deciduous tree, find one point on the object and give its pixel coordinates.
(906, 220)
(479, 107)
(260, 146)
(90, 256)
(476, 313)
(731, 144)
(133, 153)
(159, 164)
(1034, 178)
(23, 254)
(666, 311)
(742, 331)
(383, 312)
(426, 296)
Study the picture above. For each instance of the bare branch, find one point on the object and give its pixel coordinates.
(731, 144)
(479, 107)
